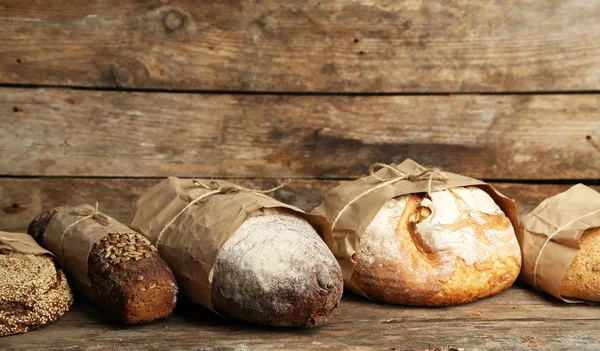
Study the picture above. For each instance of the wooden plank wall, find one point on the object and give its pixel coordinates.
(101, 99)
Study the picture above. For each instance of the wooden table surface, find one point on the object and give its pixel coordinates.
(518, 319)
(100, 99)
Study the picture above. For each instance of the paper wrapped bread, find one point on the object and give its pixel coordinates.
(242, 253)
(405, 235)
(560, 242)
(108, 262)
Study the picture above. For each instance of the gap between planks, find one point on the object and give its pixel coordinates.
(295, 93)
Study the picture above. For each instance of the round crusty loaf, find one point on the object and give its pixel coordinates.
(276, 270)
(129, 279)
(582, 280)
(454, 247)
(33, 292)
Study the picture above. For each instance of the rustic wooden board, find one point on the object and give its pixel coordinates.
(518, 319)
(21, 199)
(62, 132)
(317, 46)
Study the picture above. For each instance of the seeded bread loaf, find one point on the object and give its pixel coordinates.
(128, 278)
(582, 280)
(276, 270)
(453, 247)
(33, 291)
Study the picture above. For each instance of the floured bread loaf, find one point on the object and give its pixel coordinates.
(454, 247)
(582, 280)
(276, 270)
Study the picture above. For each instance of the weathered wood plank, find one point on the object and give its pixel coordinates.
(518, 319)
(85, 133)
(21, 199)
(326, 46)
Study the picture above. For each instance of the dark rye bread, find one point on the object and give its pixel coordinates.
(33, 292)
(129, 279)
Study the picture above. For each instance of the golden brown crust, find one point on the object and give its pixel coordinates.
(411, 270)
(582, 280)
(33, 292)
(129, 279)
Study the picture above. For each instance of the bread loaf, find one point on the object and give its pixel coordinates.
(582, 280)
(241, 253)
(560, 245)
(33, 291)
(453, 247)
(276, 270)
(128, 278)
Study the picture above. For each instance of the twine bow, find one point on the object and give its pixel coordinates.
(429, 174)
(213, 188)
(94, 214)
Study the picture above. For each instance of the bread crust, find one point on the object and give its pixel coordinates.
(33, 292)
(582, 280)
(276, 270)
(135, 289)
(453, 248)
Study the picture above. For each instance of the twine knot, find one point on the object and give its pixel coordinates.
(94, 214)
(429, 174)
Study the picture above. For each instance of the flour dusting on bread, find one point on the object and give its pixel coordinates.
(419, 247)
(273, 265)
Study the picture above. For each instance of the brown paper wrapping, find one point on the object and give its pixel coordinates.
(550, 235)
(191, 243)
(363, 198)
(21, 242)
(74, 248)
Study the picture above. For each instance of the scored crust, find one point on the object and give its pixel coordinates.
(33, 292)
(453, 248)
(582, 280)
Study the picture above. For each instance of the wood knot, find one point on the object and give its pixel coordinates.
(325, 282)
(13, 209)
(173, 20)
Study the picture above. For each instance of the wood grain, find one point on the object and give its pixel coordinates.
(61, 132)
(24, 198)
(299, 46)
(518, 319)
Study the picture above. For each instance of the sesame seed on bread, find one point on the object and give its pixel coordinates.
(33, 292)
